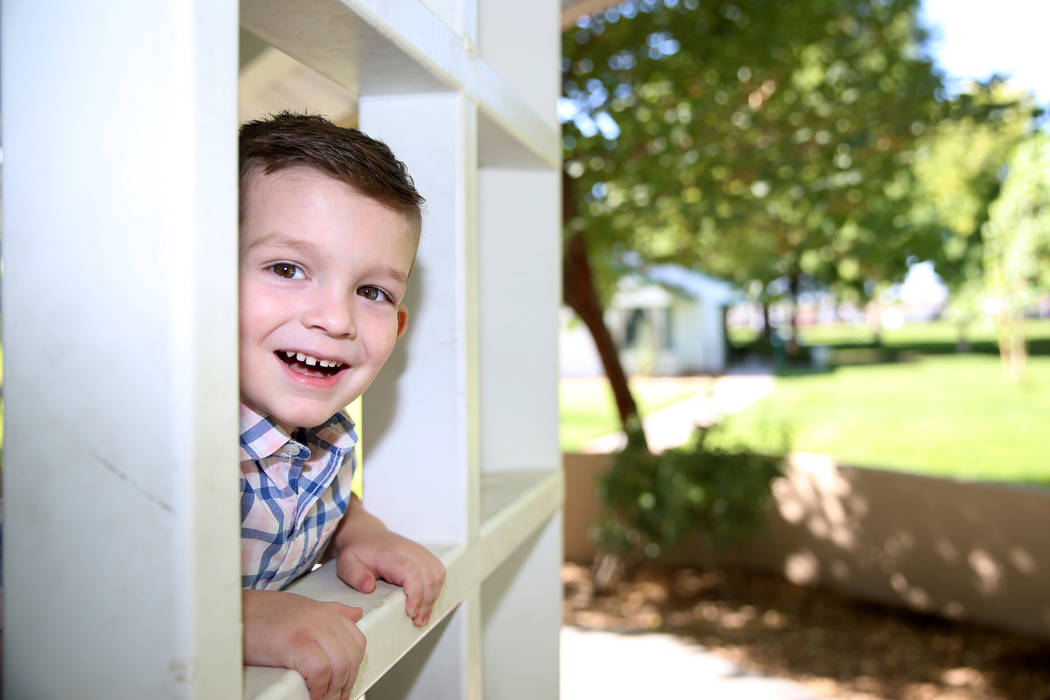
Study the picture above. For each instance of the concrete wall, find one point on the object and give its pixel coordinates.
(964, 550)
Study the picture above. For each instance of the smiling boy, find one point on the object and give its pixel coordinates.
(329, 226)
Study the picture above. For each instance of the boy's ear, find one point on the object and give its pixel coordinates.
(402, 320)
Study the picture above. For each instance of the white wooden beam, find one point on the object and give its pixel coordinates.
(121, 574)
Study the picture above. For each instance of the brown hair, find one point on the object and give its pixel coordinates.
(368, 166)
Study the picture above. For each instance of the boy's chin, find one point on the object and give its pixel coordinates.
(302, 419)
(290, 418)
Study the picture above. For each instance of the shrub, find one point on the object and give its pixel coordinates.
(651, 502)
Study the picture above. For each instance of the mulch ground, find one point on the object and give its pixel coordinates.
(838, 647)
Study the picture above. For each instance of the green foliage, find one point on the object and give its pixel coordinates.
(959, 170)
(752, 140)
(1017, 245)
(650, 502)
(1017, 248)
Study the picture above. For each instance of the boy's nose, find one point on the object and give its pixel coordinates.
(331, 313)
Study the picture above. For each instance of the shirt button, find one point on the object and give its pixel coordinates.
(290, 450)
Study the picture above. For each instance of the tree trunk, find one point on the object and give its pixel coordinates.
(580, 295)
(962, 342)
(1013, 350)
(874, 311)
(792, 344)
(767, 326)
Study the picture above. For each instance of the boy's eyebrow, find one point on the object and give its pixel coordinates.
(277, 238)
(397, 274)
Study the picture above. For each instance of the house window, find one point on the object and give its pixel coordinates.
(633, 329)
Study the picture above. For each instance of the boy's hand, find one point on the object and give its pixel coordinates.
(367, 550)
(319, 640)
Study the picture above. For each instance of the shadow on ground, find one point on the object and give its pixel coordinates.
(838, 647)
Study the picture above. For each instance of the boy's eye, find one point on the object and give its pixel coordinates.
(287, 270)
(373, 293)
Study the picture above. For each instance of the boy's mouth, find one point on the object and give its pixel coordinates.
(308, 364)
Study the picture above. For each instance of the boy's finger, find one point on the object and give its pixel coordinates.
(342, 666)
(352, 613)
(434, 582)
(356, 644)
(354, 572)
(353, 642)
(312, 664)
(412, 583)
(360, 644)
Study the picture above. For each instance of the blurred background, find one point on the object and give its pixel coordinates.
(805, 349)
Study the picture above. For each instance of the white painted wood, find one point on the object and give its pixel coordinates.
(274, 81)
(377, 47)
(121, 550)
(522, 44)
(119, 309)
(519, 625)
(420, 416)
(451, 13)
(519, 303)
(438, 666)
(514, 503)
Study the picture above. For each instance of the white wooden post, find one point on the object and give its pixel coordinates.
(520, 258)
(120, 544)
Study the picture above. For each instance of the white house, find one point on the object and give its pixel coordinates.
(667, 321)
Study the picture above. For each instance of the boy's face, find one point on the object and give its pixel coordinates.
(323, 271)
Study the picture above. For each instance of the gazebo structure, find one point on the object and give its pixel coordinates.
(120, 329)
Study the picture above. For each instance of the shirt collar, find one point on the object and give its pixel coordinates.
(261, 436)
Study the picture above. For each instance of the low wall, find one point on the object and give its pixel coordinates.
(964, 550)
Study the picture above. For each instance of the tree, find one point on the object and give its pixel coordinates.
(959, 169)
(754, 140)
(1017, 246)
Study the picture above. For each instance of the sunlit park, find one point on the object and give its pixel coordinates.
(806, 373)
(910, 402)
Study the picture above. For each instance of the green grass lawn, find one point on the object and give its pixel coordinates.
(942, 414)
(949, 415)
(913, 335)
(588, 410)
(910, 335)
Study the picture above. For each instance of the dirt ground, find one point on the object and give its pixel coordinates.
(837, 647)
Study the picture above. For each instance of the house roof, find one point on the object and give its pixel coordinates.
(656, 287)
(693, 283)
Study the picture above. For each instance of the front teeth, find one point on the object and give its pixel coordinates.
(310, 360)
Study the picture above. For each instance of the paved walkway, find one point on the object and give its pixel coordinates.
(672, 425)
(608, 665)
(612, 666)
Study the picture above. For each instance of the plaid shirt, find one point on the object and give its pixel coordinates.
(294, 490)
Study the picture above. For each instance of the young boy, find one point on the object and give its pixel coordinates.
(329, 225)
